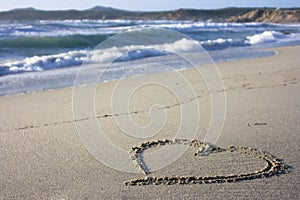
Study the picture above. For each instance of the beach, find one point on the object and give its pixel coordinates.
(43, 157)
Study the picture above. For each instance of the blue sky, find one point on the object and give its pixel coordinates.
(146, 4)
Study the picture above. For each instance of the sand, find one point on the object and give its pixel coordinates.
(42, 156)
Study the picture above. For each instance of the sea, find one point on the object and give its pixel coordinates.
(47, 54)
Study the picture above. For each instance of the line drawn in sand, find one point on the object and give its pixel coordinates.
(273, 166)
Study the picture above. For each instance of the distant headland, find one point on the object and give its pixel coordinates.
(275, 15)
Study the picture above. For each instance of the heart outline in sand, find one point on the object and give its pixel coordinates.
(273, 165)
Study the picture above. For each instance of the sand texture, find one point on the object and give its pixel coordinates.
(42, 156)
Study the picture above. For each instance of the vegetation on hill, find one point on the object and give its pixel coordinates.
(216, 15)
(268, 15)
(100, 12)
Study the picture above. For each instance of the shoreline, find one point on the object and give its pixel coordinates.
(271, 50)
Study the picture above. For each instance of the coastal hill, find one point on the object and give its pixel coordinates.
(99, 12)
(215, 15)
(268, 15)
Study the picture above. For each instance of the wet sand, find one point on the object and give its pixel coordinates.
(42, 156)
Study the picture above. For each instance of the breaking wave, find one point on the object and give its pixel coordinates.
(118, 54)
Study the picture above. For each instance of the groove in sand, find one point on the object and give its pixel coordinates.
(273, 166)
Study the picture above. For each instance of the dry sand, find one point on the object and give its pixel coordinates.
(42, 156)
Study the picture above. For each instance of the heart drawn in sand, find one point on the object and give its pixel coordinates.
(273, 166)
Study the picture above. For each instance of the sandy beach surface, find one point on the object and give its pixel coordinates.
(42, 156)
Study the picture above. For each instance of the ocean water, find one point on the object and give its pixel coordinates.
(41, 55)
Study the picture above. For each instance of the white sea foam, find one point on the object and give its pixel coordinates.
(88, 27)
(39, 63)
(217, 41)
(74, 58)
(268, 36)
(132, 52)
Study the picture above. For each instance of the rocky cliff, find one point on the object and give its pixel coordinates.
(268, 15)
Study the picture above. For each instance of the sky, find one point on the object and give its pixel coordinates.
(145, 5)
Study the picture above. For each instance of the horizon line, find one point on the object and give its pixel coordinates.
(110, 7)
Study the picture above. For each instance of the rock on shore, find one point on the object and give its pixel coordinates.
(268, 15)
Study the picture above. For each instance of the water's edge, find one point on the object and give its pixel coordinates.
(32, 79)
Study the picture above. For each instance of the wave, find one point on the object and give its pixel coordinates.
(252, 40)
(69, 35)
(95, 27)
(217, 41)
(40, 63)
(270, 36)
(75, 58)
(129, 53)
(61, 28)
(50, 44)
(74, 41)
